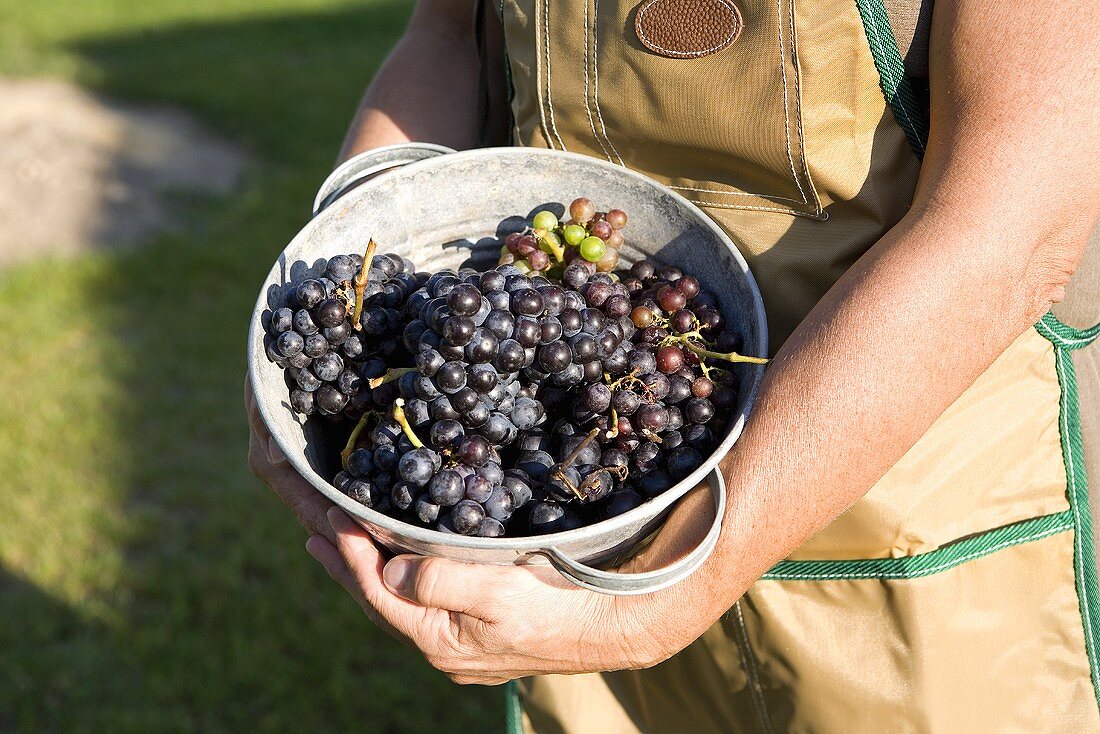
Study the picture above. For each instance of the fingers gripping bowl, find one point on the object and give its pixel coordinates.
(447, 211)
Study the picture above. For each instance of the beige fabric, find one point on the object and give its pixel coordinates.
(803, 164)
(992, 645)
(911, 23)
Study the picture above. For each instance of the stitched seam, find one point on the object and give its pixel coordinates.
(1055, 337)
(733, 193)
(754, 675)
(549, 79)
(786, 109)
(538, 85)
(810, 576)
(784, 210)
(798, 107)
(688, 54)
(587, 108)
(1090, 646)
(596, 78)
(878, 39)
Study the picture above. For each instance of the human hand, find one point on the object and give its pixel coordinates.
(267, 462)
(489, 624)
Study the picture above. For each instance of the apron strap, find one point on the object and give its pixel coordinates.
(897, 87)
(1065, 336)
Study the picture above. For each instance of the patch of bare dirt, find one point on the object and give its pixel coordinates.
(78, 172)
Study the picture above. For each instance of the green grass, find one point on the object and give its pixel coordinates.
(147, 581)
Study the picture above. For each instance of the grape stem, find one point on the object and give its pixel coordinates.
(727, 356)
(559, 474)
(614, 432)
(555, 249)
(354, 437)
(399, 416)
(390, 376)
(361, 279)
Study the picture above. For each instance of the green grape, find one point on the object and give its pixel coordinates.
(545, 220)
(574, 233)
(522, 266)
(592, 248)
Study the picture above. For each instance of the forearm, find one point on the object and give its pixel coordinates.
(427, 88)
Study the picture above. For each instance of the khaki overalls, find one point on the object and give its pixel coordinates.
(958, 595)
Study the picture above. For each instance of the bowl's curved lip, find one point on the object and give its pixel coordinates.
(523, 544)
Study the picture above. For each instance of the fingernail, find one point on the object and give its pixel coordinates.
(311, 546)
(333, 517)
(397, 574)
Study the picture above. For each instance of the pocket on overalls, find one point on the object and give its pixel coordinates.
(723, 129)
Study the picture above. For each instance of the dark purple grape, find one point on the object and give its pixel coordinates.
(338, 334)
(643, 270)
(656, 384)
(679, 389)
(428, 361)
(328, 366)
(535, 464)
(361, 463)
(651, 417)
(597, 397)
(302, 401)
(464, 300)
(596, 485)
(584, 348)
(362, 491)
(643, 361)
(551, 330)
(473, 451)
(425, 388)
(546, 517)
(621, 502)
(483, 347)
(527, 302)
(655, 482)
(451, 377)
(489, 527)
(309, 293)
(500, 505)
(329, 313)
(626, 402)
(699, 410)
(329, 400)
(571, 322)
(446, 487)
(575, 274)
(510, 356)
(467, 516)
(403, 495)
(501, 323)
(315, 346)
(527, 331)
(527, 413)
(683, 461)
(282, 320)
(459, 330)
(290, 343)
(562, 482)
(445, 432)
(417, 466)
(426, 510)
(554, 357)
(478, 489)
(617, 306)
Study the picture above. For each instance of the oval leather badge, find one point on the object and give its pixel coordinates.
(685, 29)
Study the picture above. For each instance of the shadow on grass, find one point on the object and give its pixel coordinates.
(220, 621)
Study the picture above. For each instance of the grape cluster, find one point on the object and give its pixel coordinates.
(590, 238)
(326, 350)
(514, 401)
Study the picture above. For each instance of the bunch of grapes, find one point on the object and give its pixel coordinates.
(589, 237)
(513, 401)
(326, 347)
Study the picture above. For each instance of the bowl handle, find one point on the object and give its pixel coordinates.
(359, 168)
(630, 584)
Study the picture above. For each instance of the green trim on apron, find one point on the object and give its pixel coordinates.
(924, 564)
(1065, 340)
(896, 86)
(513, 713)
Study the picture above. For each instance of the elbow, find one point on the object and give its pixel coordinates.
(1054, 258)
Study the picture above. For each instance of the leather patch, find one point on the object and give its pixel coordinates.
(687, 29)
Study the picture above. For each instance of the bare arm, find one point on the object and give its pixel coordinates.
(426, 90)
(1007, 198)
